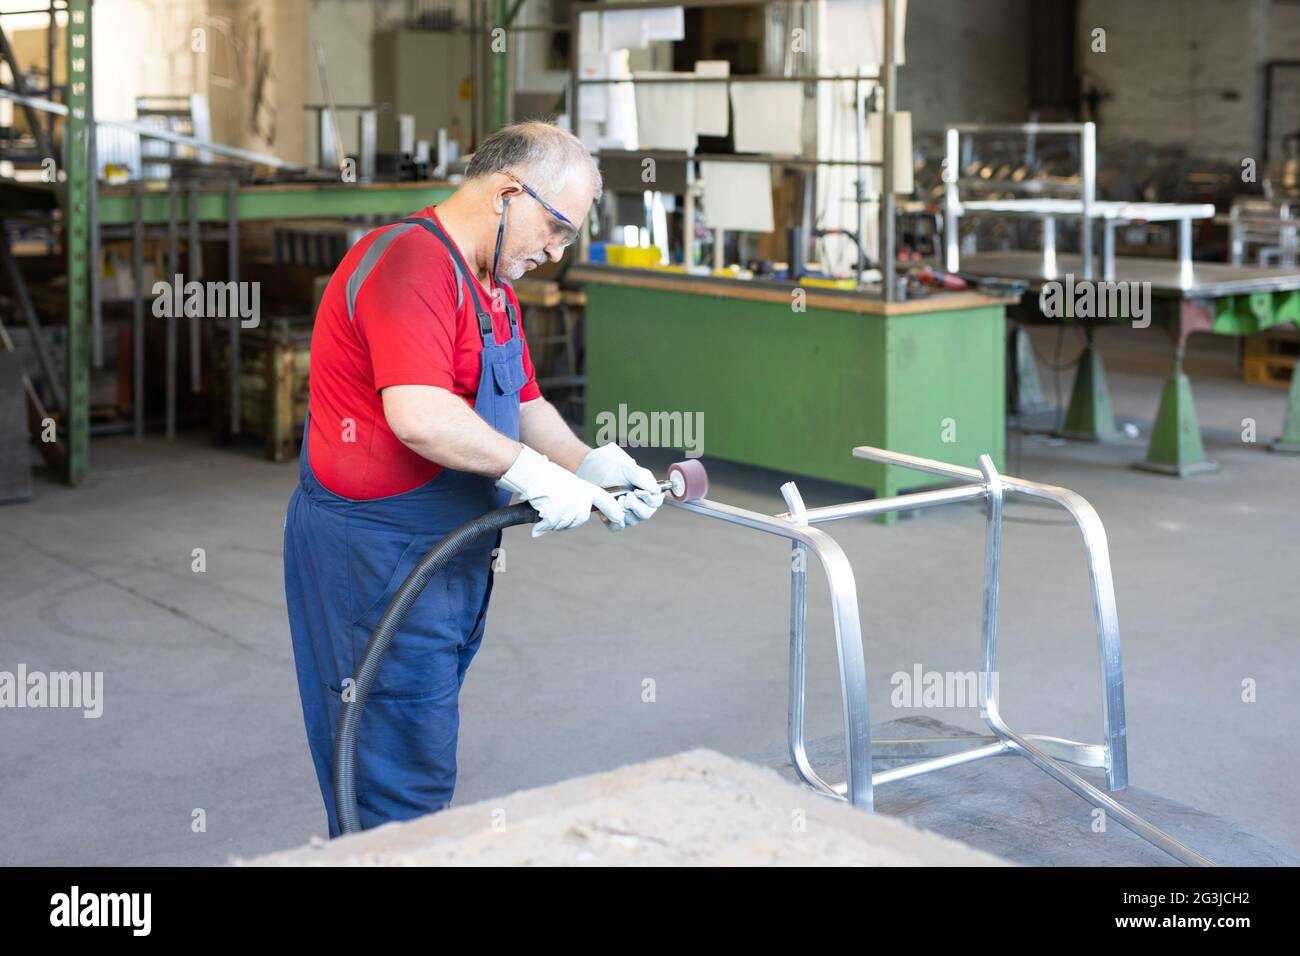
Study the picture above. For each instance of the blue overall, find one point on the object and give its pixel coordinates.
(343, 561)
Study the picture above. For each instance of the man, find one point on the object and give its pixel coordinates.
(424, 413)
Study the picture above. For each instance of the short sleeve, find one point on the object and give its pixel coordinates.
(406, 313)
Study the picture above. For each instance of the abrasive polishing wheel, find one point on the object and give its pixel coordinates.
(689, 480)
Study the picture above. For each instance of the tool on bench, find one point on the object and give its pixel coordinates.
(927, 278)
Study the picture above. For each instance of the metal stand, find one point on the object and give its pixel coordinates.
(1047, 753)
(1289, 441)
(1176, 447)
(1089, 417)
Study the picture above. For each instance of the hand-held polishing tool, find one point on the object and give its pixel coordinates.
(686, 481)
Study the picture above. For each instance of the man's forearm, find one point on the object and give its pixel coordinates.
(542, 429)
(441, 427)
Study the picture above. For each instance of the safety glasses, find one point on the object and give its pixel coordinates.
(573, 230)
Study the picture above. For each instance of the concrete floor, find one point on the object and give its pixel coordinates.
(201, 717)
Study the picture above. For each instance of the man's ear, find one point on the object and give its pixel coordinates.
(505, 187)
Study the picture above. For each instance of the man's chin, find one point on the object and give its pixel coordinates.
(521, 270)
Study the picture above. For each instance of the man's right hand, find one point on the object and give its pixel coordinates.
(562, 498)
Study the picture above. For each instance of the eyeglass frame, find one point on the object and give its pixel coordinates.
(547, 206)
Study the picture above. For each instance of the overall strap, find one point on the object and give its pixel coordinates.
(484, 317)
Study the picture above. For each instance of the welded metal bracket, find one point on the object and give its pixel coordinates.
(1047, 753)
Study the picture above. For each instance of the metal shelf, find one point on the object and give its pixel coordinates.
(886, 78)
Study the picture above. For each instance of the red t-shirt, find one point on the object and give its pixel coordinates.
(406, 330)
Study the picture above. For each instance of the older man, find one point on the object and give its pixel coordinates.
(424, 413)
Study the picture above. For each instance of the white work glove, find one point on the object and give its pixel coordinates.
(563, 499)
(609, 466)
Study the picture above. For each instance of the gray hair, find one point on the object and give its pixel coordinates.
(536, 151)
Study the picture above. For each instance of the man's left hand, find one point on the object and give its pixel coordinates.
(609, 466)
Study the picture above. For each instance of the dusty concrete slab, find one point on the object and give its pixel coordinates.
(1009, 807)
(695, 808)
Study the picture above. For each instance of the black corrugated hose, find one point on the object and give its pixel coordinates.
(345, 747)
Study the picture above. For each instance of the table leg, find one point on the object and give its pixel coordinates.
(1090, 417)
(1290, 439)
(1176, 448)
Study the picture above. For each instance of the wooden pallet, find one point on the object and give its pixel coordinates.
(1270, 358)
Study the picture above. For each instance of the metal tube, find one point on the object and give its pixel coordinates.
(152, 132)
(728, 80)
(1088, 166)
(498, 94)
(682, 157)
(848, 633)
(1127, 818)
(688, 219)
(173, 253)
(860, 178)
(92, 207)
(30, 317)
(575, 126)
(51, 38)
(19, 96)
(992, 582)
(897, 503)
(951, 206)
(232, 254)
(1237, 238)
(690, 4)
(995, 749)
(1019, 127)
(888, 255)
(1108, 249)
(1071, 751)
(799, 650)
(475, 106)
(194, 268)
(1185, 251)
(1049, 247)
(137, 317)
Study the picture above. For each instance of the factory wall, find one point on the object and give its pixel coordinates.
(151, 53)
(965, 63)
(1174, 71)
(257, 75)
(344, 29)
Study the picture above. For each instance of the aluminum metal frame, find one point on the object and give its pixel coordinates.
(1087, 208)
(937, 753)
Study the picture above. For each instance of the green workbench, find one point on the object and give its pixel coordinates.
(795, 391)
